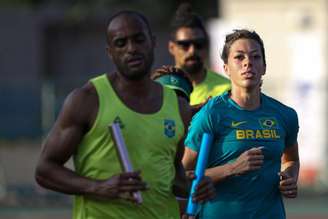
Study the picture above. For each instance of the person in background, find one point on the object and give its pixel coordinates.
(189, 45)
(153, 121)
(178, 80)
(174, 78)
(254, 159)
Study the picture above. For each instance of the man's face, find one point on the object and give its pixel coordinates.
(189, 49)
(131, 46)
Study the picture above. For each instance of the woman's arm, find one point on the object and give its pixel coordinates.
(290, 165)
(216, 173)
(250, 160)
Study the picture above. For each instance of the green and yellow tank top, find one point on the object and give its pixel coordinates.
(151, 141)
(213, 85)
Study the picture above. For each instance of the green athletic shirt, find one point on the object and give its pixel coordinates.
(213, 85)
(273, 126)
(151, 141)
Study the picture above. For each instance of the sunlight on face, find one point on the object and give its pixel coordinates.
(245, 65)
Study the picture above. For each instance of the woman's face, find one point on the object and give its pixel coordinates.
(245, 65)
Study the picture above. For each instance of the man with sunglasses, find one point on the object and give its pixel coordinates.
(189, 46)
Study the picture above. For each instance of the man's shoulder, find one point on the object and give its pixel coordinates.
(83, 95)
(100, 78)
(76, 108)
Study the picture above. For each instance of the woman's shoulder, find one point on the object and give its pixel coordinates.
(216, 103)
(284, 109)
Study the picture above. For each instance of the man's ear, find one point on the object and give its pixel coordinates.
(226, 70)
(171, 48)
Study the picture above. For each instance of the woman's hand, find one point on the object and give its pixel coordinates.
(250, 160)
(288, 185)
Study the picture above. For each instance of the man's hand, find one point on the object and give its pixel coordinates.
(184, 216)
(169, 69)
(205, 191)
(120, 186)
(250, 160)
(287, 185)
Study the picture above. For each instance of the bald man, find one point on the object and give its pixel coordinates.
(153, 122)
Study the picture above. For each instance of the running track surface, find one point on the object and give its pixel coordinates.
(314, 208)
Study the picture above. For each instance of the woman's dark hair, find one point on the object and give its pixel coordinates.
(185, 17)
(240, 34)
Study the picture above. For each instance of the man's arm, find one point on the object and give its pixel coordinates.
(61, 143)
(76, 117)
(205, 189)
(182, 184)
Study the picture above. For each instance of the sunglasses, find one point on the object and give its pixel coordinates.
(185, 44)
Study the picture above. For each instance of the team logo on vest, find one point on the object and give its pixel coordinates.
(169, 128)
(119, 121)
(268, 123)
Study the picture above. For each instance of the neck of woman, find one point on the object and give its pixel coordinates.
(246, 99)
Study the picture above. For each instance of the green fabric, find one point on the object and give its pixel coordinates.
(175, 82)
(151, 140)
(213, 85)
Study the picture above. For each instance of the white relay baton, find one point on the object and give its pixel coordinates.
(123, 154)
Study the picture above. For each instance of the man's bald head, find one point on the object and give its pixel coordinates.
(127, 13)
